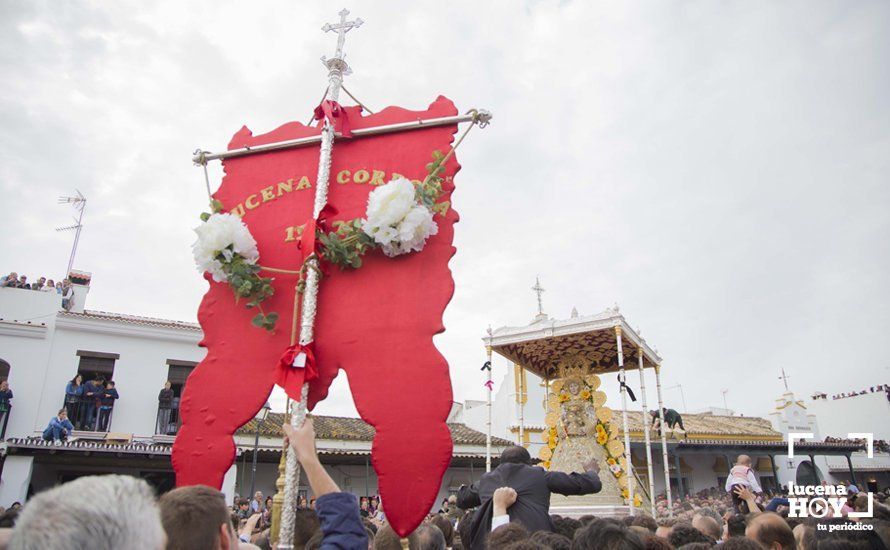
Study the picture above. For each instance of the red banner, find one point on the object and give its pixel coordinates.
(376, 323)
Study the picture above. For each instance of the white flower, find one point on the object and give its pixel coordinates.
(417, 226)
(396, 221)
(390, 203)
(616, 469)
(215, 236)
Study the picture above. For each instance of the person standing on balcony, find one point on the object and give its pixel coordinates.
(5, 396)
(59, 428)
(92, 392)
(73, 395)
(165, 404)
(106, 403)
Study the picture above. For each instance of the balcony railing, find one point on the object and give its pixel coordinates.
(5, 419)
(87, 416)
(168, 421)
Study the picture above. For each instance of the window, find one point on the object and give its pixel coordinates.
(177, 373)
(168, 418)
(94, 363)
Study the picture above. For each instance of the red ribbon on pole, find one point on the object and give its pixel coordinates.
(290, 376)
(336, 116)
(308, 243)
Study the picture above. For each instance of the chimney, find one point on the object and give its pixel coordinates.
(80, 282)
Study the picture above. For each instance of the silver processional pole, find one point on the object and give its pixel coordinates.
(337, 68)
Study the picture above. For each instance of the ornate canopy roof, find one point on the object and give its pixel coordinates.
(541, 345)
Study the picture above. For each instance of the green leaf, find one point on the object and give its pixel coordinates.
(205, 216)
(258, 321)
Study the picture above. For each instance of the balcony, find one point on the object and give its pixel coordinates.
(89, 417)
(168, 421)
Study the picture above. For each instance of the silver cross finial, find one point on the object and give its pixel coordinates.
(342, 28)
(784, 378)
(539, 290)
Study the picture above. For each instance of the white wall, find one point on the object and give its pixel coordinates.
(16, 476)
(43, 358)
(27, 327)
(139, 373)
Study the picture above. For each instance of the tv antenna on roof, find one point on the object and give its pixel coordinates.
(80, 203)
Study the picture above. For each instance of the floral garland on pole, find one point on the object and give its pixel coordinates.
(398, 220)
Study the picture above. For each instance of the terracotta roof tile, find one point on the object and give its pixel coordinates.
(356, 429)
(701, 424)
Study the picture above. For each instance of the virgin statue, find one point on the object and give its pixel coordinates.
(575, 410)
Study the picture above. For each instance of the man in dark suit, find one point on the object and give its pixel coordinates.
(532, 485)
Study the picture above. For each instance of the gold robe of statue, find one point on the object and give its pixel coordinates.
(576, 432)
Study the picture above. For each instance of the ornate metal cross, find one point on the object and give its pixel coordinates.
(342, 28)
(539, 290)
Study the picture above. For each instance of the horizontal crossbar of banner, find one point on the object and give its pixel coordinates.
(201, 157)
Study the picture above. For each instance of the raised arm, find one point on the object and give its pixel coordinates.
(337, 512)
(302, 441)
(575, 483)
(752, 479)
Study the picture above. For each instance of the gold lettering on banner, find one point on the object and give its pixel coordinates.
(377, 178)
(361, 176)
(293, 233)
(285, 186)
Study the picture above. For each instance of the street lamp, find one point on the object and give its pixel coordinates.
(264, 413)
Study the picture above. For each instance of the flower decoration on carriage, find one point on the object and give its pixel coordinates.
(601, 434)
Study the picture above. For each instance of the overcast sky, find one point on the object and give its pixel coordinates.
(719, 169)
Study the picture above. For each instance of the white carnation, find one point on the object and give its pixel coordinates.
(215, 236)
(389, 204)
(417, 226)
(396, 221)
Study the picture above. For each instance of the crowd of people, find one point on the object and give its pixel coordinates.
(882, 388)
(508, 508)
(879, 445)
(42, 284)
(88, 406)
